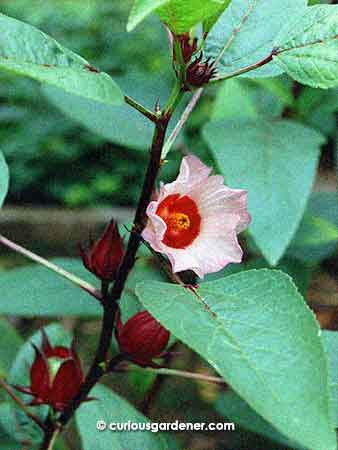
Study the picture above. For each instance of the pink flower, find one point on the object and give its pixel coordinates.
(195, 220)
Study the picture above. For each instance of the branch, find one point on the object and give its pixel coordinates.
(146, 112)
(246, 69)
(98, 367)
(179, 373)
(50, 438)
(140, 218)
(21, 405)
(51, 266)
(183, 120)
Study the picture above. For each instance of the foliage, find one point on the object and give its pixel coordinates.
(263, 123)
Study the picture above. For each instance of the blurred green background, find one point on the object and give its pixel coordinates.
(65, 163)
(61, 162)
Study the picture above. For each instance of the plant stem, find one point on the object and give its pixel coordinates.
(51, 266)
(50, 439)
(53, 439)
(110, 300)
(246, 69)
(97, 368)
(172, 103)
(140, 108)
(140, 218)
(21, 404)
(52, 431)
(156, 386)
(183, 120)
(179, 373)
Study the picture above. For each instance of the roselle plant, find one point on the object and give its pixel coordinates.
(181, 259)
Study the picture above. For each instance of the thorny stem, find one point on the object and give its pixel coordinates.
(51, 266)
(21, 405)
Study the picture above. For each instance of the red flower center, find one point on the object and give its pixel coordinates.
(182, 218)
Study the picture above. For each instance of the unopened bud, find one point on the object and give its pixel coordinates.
(200, 73)
(104, 257)
(55, 376)
(142, 338)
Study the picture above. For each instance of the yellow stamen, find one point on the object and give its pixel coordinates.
(180, 221)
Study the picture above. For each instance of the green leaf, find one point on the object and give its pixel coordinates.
(9, 346)
(256, 331)
(245, 32)
(330, 339)
(231, 406)
(36, 291)
(276, 162)
(6, 443)
(15, 425)
(146, 268)
(111, 408)
(122, 125)
(141, 9)
(27, 51)
(245, 98)
(316, 239)
(317, 108)
(4, 179)
(181, 15)
(315, 231)
(307, 47)
(209, 23)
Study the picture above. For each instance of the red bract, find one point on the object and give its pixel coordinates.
(188, 46)
(105, 256)
(56, 376)
(142, 338)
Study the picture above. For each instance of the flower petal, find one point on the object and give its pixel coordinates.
(215, 248)
(192, 172)
(212, 195)
(155, 228)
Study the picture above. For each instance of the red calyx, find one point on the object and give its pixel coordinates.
(200, 73)
(188, 46)
(104, 257)
(142, 338)
(56, 376)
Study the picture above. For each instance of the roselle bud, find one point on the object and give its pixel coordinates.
(200, 73)
(55, 376)
(188, 46)
(142, 338)
(105, 256)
